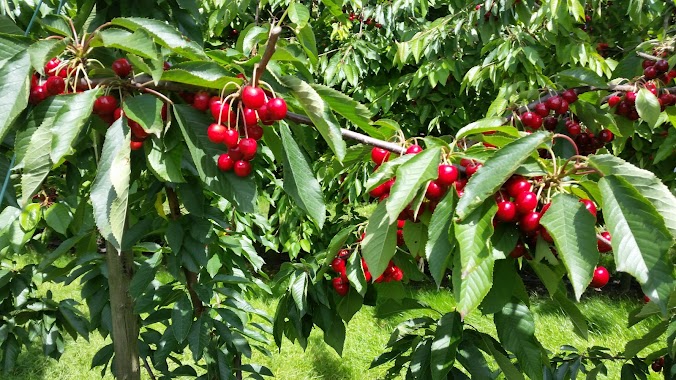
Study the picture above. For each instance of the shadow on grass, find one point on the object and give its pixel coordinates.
(326, 363)
(30, 365)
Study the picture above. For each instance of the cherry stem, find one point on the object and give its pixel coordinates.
(570, 140)
(260, 67)
(72, 28)
(158, 94)
(602, 239)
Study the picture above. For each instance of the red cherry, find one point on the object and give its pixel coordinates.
(526, 202)
(589, 205)
(201, 101)
(50, 67)
(55, 85)
(606, 136)
(550, 123)
(255, 132)
(574, 129)
(541, 109)
(563, 108)
(231, 138)
(545, 235)
(414, 149)
(531, 120)
(242, 168)
(38, 94)
(248, 148)
(338, 265)
(656, 366)
(137, 130)
(253, 97)
(447, 175)
(344, 253)
(379, 155)
(646, 299)
(506, 211)
(601, 277)
(379, 191)
(647, 63)
(117, 113)
(225, 162)
(545, 208)
(163, 112)
(471, 169)
(400, 238)
(650, 72)
(603, 246)
(188, 97)
(434, 191)
(121, 67)
(105, 105)
(554, 103)
(250, 117)
(518, 251)
(570, 96)
(340, 286)
(613, 100)
(630, 97)
(264, 115)
(517, 185)
(277, 108)
(136, 145)
(166, 66)
(530, 222)
(401, 223)
(396, 274)
(216, 133)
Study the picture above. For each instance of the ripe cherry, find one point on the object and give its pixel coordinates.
(338, 265)
(250, 117)
(38, 93)
(518, 251)
(541, 109)
(606, 136)
(650, 72)
(225, 162)
(603, 246)
(447, 174)
(554, 103)
(472, 168)
(105, 105)
(414, 149)
(201, 101)
(216, 133)
(121, 67)
(563, 108)
(137, 130)
(613, 100)
(400, 238)
(434, 191)
(55, 85)
(248, 148)
(530, 222)
(550, 123)
(379, 155)
(630, 97)
(255, 132)
(231, 137)
(600, 278)
(573, 129)
(396, 274)
(545, 235)
(117, 113)
(517, 185)
(265, 115)
(531, 120)
(277, 108)
(589, 205)
(242, 168)
(506, 211)
(163, 112)
(656, 366)
(379, 191)
(50, 67)
(570, 96)
(253, 97)
(647, 63)
(341, 286)
(526, 202)
(136, 145)
(661, 66)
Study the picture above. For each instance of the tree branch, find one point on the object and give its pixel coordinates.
(647, 56)
(260, 67)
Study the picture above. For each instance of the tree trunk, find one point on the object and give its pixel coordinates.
(125, 332)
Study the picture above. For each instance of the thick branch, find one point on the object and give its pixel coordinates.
(269, 51)
(647, 56)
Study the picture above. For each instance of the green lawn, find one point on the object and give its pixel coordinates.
(366, 337)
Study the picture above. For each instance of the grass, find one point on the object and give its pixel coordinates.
(365, 339)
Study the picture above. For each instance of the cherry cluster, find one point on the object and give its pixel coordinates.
(517, 203)
(369, 21)
(54, 83)
(342, 285)
(658, 364)
(236, 123)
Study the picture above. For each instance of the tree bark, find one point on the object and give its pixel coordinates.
(126, 365)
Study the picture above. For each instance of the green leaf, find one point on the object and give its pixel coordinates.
(416, 172)
(380, 241)
(345, 106)
(355, 274)
(580, 326)
(440, 244)
(473, 267)
(299, 180)
(144, 275)
(30, 216)
(648, 107)
(298, 14)
(299, 293)
(138, 43)
(633, 347)
(319, 112)
(491, 346)
(572, 228)
(473, 361)
(146, 110)
(165, 164)
(198, 339)
(69, 121)
(58, 217)
(649, 185)
(486, 125)
(36, 162)
(306, 37)
(204, 153)
(337, 242)
(165, 35)
(581, 76)
(349, 305)
(415, 237)
(44, 50)
(250, 37)
(386, 171)
(420, 360)
(495, 171)
(504, 272)
(74, 318)
(202, 74)
(12, 349)
(14, 88)
(445, 345)
(181, 318)
(642, 245)
(516, 331)
(110, 190)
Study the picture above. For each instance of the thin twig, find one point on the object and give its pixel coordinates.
(648, 56)
(150, 371)
(259, 69)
